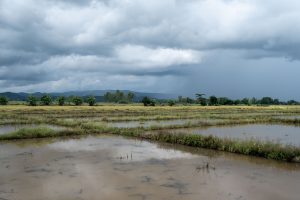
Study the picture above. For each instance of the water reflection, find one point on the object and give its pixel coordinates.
(11, 128)
(149, 123)
(92, 167)
(284, 134)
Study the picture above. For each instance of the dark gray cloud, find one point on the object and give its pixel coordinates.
(166, 46)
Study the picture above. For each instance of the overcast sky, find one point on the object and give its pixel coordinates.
(234, 48)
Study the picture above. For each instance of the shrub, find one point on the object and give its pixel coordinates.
(3, 101)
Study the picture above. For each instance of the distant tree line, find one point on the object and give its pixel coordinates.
(124, 98)
(119, 97)
(214, 101)
(47, 100)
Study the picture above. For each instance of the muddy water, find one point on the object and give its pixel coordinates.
(288, 117)
(116, 168)
(11, 128)
(149, 123)
(275, 133)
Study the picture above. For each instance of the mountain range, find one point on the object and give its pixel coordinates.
(99, 94)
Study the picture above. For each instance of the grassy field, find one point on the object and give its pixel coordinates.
(82, 120)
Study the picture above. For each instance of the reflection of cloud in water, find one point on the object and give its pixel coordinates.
(124, 149)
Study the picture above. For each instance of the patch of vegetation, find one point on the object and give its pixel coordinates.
(119, 97)
(77, 101)
(91, 100)
(46, 100)
(148, 102)
(38, 132)
(32, 100)
(3, 100)
(61, 100)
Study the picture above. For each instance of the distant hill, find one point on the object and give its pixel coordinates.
(22, 96)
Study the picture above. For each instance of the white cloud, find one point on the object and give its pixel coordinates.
(58, 40)
(141, 56)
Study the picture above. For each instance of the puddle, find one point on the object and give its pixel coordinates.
(98, 167)
(149, 123)
(11, 128)
(277, 133)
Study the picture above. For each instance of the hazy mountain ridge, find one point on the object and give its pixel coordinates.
(22, 96)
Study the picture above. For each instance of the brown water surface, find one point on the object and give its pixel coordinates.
(267, 132)
(149, 123)
(109, 167)
(4, 129)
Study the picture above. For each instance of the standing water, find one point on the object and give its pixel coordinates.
(109, 167)
(284, 134)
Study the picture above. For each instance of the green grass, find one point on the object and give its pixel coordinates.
(267, 150)
(38, 132)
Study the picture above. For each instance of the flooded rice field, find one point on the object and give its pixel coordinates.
(149, 123)
(284, 134)
(109, 167)
(288, 117)
(5, 129)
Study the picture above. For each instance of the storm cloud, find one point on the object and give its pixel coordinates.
(223, 47)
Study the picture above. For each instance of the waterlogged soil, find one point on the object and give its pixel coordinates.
(5, 129)
(284, 134)
(149, 123)
(109, 167)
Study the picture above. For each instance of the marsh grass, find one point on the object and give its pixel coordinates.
(251, 147)
(38, 132)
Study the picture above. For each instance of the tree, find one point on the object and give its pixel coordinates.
(77, 100)
(237, 102)
(276, 102)
(46, 100)
(246, 101)
(292, 102)
(130, 96)
(108, 97)
(180, 99)
(213, 100)
(148, 102)
(189, 100)
(61, 100)
(253, 101)
(201, 99)
(32, 100)
(171, 103)
(3, 100)
(91, 100)
(199, 95)
(119, 96)
(224, 101)
(266, 101)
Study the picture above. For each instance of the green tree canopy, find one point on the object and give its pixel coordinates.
(77, 101)
(91, 100)
(61, 100)
(46, 100)
(32, 100)
(3, 100)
